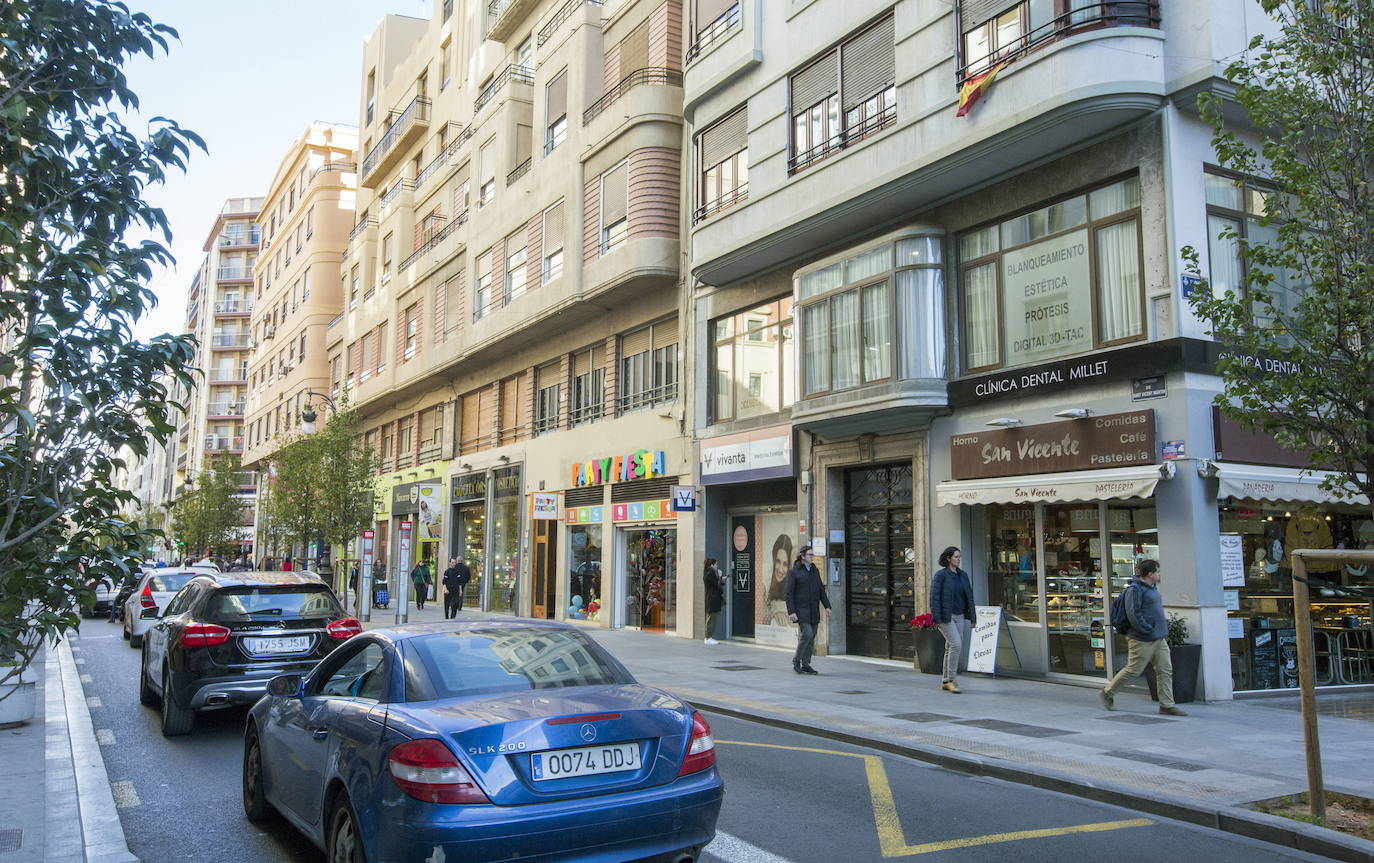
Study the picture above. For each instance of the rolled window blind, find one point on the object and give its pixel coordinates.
(582, 363)
(486, 162)
(634, 343)
(558, 97)
(975, 12)
(725, 138)
(665, 333)
(707, 11)
(553, 228)
(613, 194)
(634, 50)
(868, 63)
(815, 82)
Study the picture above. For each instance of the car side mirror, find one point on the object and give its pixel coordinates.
(285, 685)
(149, 614)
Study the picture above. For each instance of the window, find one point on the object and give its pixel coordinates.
(298, 239)
(305, 285)
(844, 96)
(552, 266)
(371, 101)
(387, 245)
(723, 162)
(484, 298)
(310, 223)
(1235, 208)
(614, 210)
(302, 350)
(410, 322)
(444, 64)
(353, 284)
(648, 366)
(556, 111)
(588, 384)
(515, 266)
(1062, 279)
(524, 54)
(751, 362)
(712, 20)
(997, 29)
(549, 390)
(406, 439)
(486, 172)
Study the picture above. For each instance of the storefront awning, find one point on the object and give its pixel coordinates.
(1277, 484)
(1107, 484)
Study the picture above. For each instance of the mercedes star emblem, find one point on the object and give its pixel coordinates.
(588, 733)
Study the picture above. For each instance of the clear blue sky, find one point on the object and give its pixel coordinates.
(247, 76)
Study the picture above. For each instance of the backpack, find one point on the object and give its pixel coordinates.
(1120, 621)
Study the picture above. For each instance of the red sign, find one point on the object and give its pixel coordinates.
(369, 534)
(405, 525)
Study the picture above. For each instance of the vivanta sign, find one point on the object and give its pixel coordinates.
(640, 464)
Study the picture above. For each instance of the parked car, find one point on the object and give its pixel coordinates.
(481, 740)
(154, 590)
(225, 634)
(99, 602)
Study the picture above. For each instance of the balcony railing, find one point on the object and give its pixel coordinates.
(563, 14)
(227, 409)
(229, 340)
(647, 398)
(342, 167)
(223, 443)
(1116, 13)
(233, 307)
(659, 76)
(226, 274)
(547, 423)
(229, 376)
(519, 171)
(846, 138)
(360, 227)
(713, 33)
(430, 241)
(399, 187)
(587, 413)
(400, 123)
(512, 72)
(456, 139)
(497, 8)
(240, 238)
(724, 202)
(428, 452)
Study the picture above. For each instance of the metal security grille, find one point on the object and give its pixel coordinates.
(11, 840)
(591, 496)
(644, 489)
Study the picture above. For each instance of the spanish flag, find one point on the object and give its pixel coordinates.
(975, 87)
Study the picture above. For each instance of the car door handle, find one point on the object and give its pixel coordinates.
(319, 733)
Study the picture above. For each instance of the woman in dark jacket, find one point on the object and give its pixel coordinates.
(951, 604)
(714, 582)
(805, 595)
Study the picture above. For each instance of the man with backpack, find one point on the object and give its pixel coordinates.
(1138, 614)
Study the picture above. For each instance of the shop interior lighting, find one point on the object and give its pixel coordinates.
(1006, 422)
(1075, 413)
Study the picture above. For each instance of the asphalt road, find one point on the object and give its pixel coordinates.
(790, 797)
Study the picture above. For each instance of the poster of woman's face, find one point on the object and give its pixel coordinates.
(777, 555)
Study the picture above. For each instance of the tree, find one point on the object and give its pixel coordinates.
(208, 518)
(1305, 295)
(75, 385)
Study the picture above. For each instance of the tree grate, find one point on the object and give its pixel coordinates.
(11, 840)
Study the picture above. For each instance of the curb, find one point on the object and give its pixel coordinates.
(1273, 829)
(98, 834)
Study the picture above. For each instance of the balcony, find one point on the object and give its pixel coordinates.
(229, 376)
(519, 171)
(504, 16)
(659, 76)
(226, 410)
(229, 341)
(391, 194)
(360, 227)
(240, 239)
(431, 240)
(335, 167)
(456, 139)
(512, 73)
(724, 202)
(223, 443)
(1118, 13)
(234, 274)
(233, 307)
(550, 29)
(716, 31)
(403, 128)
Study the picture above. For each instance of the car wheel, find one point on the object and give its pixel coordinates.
(176, 720)
(345, 840)
(135, 641)
(125, 631)
(146, 696)
(255, 804)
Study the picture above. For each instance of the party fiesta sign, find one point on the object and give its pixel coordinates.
(640, 464)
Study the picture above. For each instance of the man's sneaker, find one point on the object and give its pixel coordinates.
(1108, 700)
(712, 641)
(806, 669)
(1172, 711)
(796, 667)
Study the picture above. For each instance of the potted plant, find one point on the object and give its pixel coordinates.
(1185, 658)
(930, 645)
(18, 692)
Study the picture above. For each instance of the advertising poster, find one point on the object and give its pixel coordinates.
(1232, 561)
(740, 568)
(777, 551)
(430, 500)
(982, 649)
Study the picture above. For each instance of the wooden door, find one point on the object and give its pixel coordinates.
(545, 568)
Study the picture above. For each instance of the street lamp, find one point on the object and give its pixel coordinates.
(308, 416)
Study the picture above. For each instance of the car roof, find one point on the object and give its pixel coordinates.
(179, 570)
(470, 624)
(261, 578)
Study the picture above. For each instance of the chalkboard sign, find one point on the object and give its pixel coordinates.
(1264, 659)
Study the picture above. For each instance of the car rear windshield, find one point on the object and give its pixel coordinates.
(273, 603)
(508, 660)
(170, 582)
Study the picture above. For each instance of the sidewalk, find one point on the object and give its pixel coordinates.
(1056, 736)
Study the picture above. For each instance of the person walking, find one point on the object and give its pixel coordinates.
(286, 563)
(1146, 641)
(951, 604)
(421, 578)
(456, 579)
(715, 596)
(805, 595)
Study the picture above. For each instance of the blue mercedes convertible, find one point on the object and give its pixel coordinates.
(483, 739)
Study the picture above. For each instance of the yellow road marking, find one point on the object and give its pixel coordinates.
(892, 839)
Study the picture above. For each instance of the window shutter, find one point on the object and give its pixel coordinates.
(665, 334)
(470, 426)
(553, 228)
(557, 97)
(484, 265)
(634, 50)
(814, 83)
(725, 138)
(355, 359)
(707, 11)
(460, 189)
(868, 63)
(582, 363)
(440, 312)
(633, 343)
(510, 406)
(486, 163)
(488, 417)
(975, 12)
(613, 193)
(522, 143)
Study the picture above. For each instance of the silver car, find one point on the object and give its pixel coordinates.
(155, 589)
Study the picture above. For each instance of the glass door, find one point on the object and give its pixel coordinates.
(1013, 583)
(1133, 534)
(1074, 598)
(469, 545)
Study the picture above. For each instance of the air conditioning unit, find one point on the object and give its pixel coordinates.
(268, 333)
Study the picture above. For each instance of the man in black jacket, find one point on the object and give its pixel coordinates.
(456, 579)
(805, 596)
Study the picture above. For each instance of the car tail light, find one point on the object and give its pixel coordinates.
(344, 628)
(145, 599)
(702, 751)
(203, 635)
(427, 770)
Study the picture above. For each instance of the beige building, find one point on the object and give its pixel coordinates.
(512, 289)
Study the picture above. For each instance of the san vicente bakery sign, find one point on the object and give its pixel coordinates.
(1112, 440)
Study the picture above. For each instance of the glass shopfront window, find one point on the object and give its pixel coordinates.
(505, 538)
(651, 578)
(584, 571)
(1260, 614)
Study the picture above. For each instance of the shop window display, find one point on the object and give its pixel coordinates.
(1260, 613)
(1011, 564)
(505, 552)
(471, 547)
(651, 579)
(584, 572)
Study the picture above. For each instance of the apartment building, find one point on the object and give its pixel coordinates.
(217, 309)
(914, 329)
(306, 217)
(512, 301)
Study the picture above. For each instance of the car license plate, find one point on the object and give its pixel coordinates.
(586, 761)
(265, 646)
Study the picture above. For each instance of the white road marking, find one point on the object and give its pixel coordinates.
(105, 737)
(124, 794)
(86, 678)
(732, 849)
(93, 701)
(80, 660)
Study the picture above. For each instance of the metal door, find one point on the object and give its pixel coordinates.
(880, 558)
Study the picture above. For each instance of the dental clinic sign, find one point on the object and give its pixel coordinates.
(1048, 291)
(1113, 440)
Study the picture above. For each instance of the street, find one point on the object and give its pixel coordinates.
(789, 796)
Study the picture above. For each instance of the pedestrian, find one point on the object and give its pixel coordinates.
(421, 578)
(1146, 641)
(286, 563)
(805, 595)
(352, 579)
(715, 596)
(951, 604)
(456, 579)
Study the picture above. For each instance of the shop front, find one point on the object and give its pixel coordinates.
(421, 504)
(486, 535)
(469, 531)
(1057, 534)
(1270, 502)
